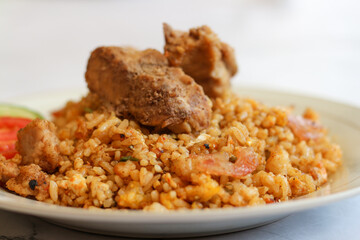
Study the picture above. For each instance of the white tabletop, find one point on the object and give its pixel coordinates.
(306, 46)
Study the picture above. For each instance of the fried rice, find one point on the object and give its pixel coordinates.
(115, 163)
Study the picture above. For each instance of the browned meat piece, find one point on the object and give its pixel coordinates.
(202, 56)
(142, 85)
(38, 143)
(31, 181)
(8, 169)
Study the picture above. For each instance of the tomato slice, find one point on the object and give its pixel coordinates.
(9, 126)
(7, 145)
(13, 122)
(8, 134)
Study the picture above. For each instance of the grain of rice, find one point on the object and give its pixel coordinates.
(156, 184)
(65, 166)
(154, 162)
(119, 182)
(166, 187)
(98, 171)
(117, 155)
(155, 196)
(53, 191)
(107, 167)
(158, 169)
(95, 121)
(78, 163)
(144, 162)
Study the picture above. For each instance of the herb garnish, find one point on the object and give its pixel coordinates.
(88, 110)
(229, 188)
(128, 158)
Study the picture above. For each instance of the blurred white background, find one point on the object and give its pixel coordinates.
(308, 46)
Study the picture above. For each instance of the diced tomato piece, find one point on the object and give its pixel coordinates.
(58, 113)
(9, 153)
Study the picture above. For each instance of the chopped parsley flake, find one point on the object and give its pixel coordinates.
(128, 158)
(88, 110)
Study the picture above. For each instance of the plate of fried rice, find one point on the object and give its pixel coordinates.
(160, 145)
(340, 119)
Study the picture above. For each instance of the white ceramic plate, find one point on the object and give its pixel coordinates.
(342, 120)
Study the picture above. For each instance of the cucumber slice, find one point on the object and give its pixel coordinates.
(18, 111)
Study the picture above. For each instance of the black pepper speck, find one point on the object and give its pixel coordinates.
(233, 159)
(32, 184)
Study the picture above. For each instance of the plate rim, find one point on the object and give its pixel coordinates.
(41, 209)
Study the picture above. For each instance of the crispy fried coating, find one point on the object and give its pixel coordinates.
(202, 56)
(140, 84)
(30, 181)
(39, 144)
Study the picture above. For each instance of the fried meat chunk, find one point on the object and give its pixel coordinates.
(140, 84)
(202, 56)
(8, 169)
(30, 181)
(38, 143)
